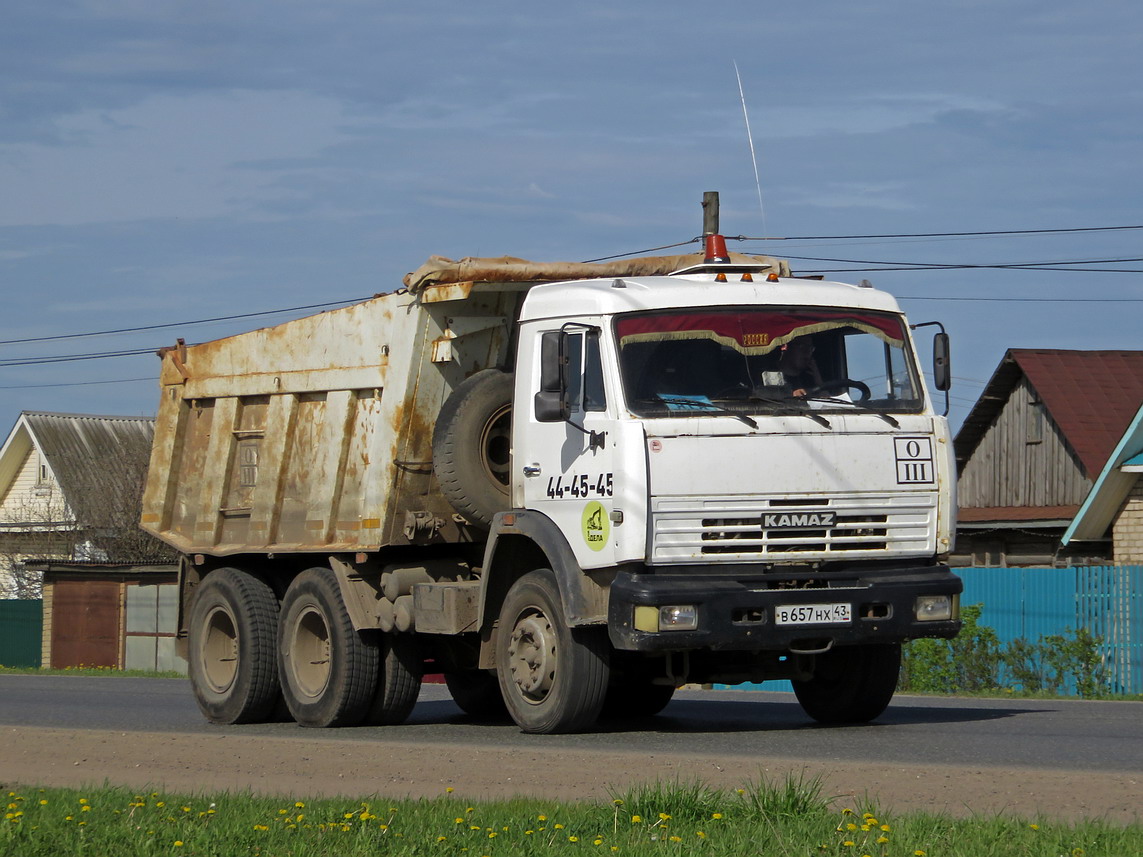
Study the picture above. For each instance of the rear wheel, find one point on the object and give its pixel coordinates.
(232, 628)
(852, 684)
(398, 682)
(328, 670)
(477, 693)
(553, 678)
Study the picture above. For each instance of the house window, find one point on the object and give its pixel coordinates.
(1035, 421)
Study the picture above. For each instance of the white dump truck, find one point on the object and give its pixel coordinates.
(569, 488)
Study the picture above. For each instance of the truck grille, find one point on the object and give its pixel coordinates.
(853, 526)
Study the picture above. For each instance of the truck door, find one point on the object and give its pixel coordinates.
(567, 464)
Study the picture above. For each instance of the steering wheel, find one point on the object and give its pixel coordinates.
(831, 388)
(737, 391)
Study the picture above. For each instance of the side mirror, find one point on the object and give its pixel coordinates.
(942, 367)
(551, 402)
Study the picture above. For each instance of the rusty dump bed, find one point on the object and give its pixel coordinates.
(316, 434)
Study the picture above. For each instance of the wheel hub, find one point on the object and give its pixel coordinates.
(532, 653)
(220, 650)
(310, 652)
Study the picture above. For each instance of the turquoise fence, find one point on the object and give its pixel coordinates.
(21, 624)
(1030, 603)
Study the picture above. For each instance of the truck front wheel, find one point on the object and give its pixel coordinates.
(852, 684)
(328, 670)
(232, 629)
(553, 678)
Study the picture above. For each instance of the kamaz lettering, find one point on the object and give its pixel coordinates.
(800, 521)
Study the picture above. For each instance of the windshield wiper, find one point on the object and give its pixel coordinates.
(786, 411)
(865, 409)
(703, 404)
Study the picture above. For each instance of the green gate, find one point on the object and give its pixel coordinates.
(21, 633)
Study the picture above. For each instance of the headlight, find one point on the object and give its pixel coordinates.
(933, 608)
(673, 617)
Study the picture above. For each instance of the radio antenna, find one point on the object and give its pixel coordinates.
(750, 139)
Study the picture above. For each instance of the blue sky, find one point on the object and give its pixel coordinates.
(167, 162)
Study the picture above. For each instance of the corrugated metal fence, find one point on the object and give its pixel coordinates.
(21, 624)
(1035, 602)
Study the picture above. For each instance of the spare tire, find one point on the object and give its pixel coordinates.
(472, 446)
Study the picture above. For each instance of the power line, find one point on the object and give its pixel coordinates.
(978, 233)
(1063, 265)
(153, 378)
(176, 323)
(69, 358)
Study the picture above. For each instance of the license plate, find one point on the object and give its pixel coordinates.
(813, 614)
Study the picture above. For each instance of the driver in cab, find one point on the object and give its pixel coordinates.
(798, 368)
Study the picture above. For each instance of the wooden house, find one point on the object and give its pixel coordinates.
(70, 487)
(1031, 449)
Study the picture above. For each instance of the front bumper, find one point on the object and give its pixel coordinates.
(737, 612)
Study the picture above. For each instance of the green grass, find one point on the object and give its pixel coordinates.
(89, 671)
(791, 817)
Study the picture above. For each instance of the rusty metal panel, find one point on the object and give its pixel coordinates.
(85, 623)
(317, 434)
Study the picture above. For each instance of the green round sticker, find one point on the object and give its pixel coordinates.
(595, 525)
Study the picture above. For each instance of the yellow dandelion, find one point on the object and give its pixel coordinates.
(557, 826)
(919, 853)
(161, 804)
(881, 840)
(885, 827)
(541, 818)
(848, 843)
(299, 805)
(459, 820)
(85, 808)
(716, 815)
(82, 801)
(635, 819)
(449, 790)
(492, 835)
(676, 839)
(847, 812)
(43, 803)
(741, 791)
(617, 802)
(597, 842)
(299, 816)
(178, 843)
(663, 816)
(528, 832)
(1034, 826)
(573, 839)
(851, 826)
(700, 834)
(261, 827)
(441, 838)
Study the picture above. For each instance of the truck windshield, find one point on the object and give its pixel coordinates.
(772, 360)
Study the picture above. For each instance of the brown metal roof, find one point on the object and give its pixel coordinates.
(1090, 395)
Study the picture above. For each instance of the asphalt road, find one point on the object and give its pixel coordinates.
(1063, 735)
